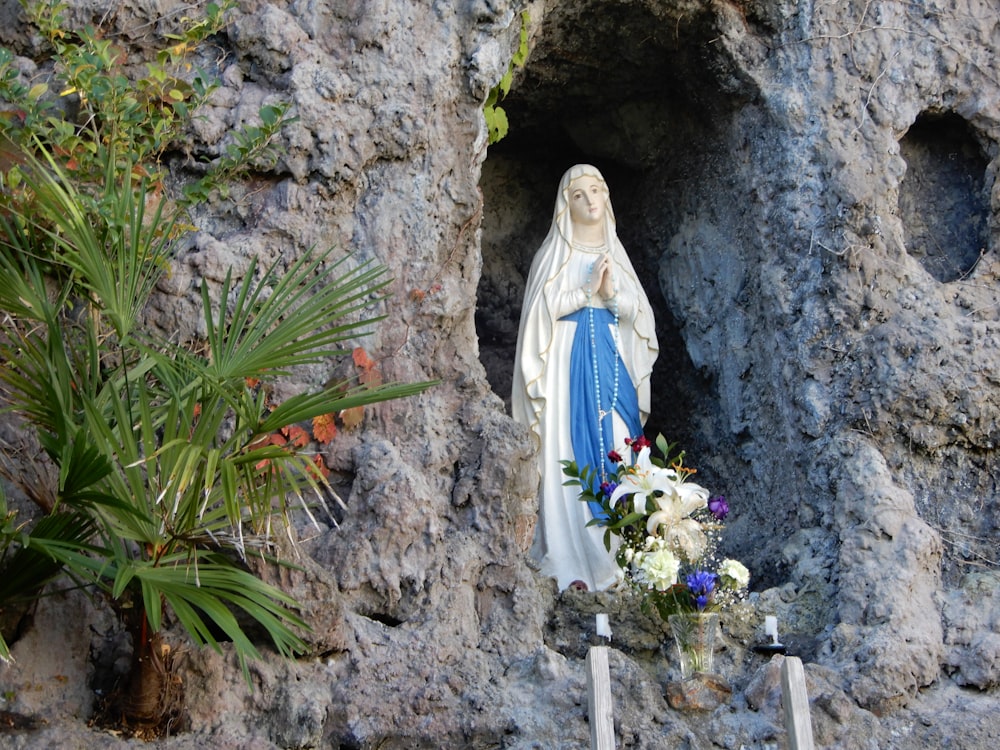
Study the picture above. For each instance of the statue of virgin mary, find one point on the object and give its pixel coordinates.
(585, 352)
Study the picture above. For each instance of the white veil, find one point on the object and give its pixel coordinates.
(637, 341)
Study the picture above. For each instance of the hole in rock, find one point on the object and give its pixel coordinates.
(378, 605)
(943, 197)
(385, 618)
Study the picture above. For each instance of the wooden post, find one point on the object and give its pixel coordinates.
(602, 723)
(798, 724)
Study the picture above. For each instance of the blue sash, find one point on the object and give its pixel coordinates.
(583, 395)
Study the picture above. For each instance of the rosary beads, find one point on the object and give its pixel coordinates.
(601, 413)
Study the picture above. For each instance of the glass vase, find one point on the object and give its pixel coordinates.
(694, 635)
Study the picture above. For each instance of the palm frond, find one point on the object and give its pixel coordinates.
(289, 317)
(29, 568)
(118, 260)
(306, 406)
(204, 590)
(201, 588)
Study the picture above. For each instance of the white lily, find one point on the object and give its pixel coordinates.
(686, 536)
(644, 478)
(672, 520)
(677, 505)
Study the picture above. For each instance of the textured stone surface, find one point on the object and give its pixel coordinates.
(828, 323)
(702, 692)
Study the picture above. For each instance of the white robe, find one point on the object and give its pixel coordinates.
(564, 546)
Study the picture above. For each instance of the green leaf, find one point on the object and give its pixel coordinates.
(270, 114)
(306, 406)
(496, 123)
(505, 81)
(521, 55)
(284, 319)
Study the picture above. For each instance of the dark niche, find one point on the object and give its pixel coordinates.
(643, 92)
(943, 198)
(637, 96)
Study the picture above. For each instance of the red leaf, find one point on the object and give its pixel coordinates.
(369, 375)
(371, 378)
(296, 435)
(321, 468)
(324, 428)
(362, 360)
(352, 417)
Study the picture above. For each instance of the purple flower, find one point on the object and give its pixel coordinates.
(607, 488)
(719, 507)
(701, 584)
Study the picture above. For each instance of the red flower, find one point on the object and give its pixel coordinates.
(639, 443)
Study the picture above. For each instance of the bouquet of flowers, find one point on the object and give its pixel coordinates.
(669, 529)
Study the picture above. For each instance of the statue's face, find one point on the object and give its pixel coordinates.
(586, 201)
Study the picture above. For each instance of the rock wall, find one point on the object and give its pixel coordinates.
(809, 191)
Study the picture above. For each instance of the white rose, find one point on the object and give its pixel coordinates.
(661, 568)
(734, 572)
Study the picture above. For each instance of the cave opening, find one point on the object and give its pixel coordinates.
(944, 197)
(644, 94)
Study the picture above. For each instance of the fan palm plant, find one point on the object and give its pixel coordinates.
(165, 467)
